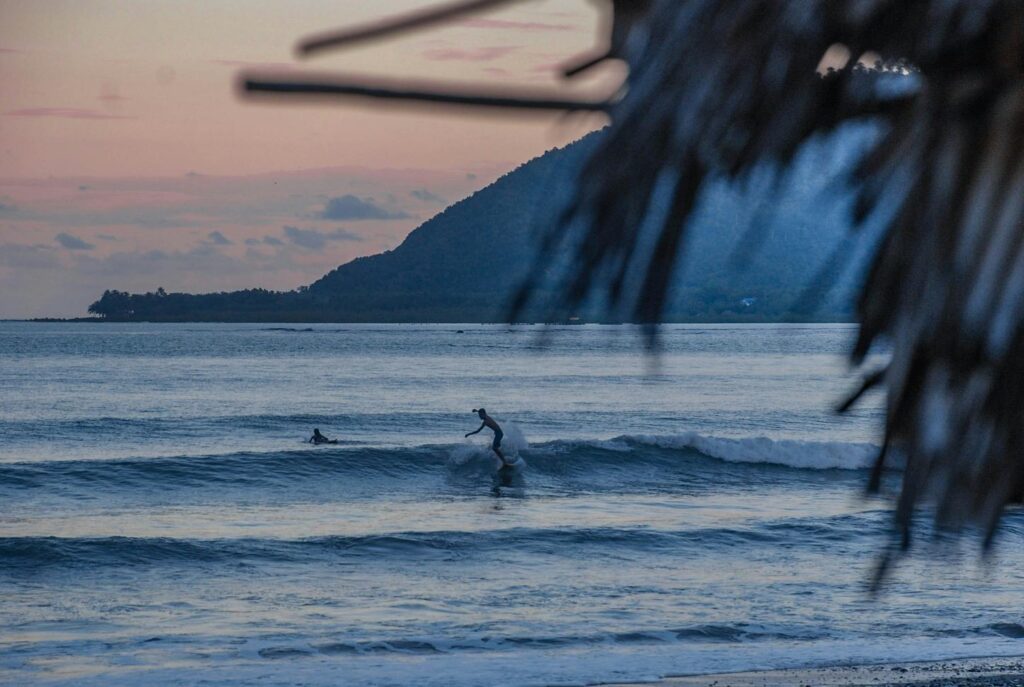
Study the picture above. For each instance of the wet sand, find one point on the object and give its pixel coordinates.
(974, 672)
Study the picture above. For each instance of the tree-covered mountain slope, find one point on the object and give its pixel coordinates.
(776, 247)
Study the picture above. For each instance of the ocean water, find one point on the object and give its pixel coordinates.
(162, 521)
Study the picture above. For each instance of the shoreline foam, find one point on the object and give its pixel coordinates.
(973, 672)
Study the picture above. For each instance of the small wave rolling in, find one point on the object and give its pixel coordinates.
(165, 523)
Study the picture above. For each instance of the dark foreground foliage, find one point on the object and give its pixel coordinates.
(717, 87)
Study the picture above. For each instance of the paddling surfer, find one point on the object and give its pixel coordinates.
(319, 438)
(488, 421)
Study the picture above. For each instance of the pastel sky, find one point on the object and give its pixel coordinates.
(129, 161)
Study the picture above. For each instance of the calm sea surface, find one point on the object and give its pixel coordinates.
(163, 522)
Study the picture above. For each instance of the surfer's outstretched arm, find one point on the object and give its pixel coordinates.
(482, 425)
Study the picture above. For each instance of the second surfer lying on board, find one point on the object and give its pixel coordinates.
(319, 438)
(488, 421)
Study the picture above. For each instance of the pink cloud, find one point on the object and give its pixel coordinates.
(518, 25)
(471, 54)
(109, 94)
(64, 113)
(9, 50)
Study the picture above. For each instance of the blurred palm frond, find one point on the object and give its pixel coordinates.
(718, 87)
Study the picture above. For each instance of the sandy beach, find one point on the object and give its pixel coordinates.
(975, 672)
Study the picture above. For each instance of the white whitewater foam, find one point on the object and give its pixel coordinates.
(514, 440)
(813, 455)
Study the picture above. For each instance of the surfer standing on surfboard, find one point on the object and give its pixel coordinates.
(488, 421)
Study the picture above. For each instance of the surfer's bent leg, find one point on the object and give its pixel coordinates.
(496, 445)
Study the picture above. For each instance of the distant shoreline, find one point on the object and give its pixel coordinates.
(56, 319)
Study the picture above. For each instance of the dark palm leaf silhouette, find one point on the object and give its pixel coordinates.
(718, 87)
